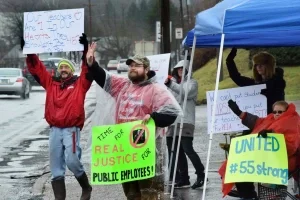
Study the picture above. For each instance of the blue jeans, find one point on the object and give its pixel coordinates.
(64, 144)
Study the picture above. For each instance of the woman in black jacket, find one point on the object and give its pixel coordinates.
(264, 72)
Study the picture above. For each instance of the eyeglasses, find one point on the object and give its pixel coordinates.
(135, 65)
(278, 111)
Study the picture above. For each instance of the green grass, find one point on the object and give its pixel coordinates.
(206, 76)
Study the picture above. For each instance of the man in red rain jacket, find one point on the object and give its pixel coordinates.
(64, 112)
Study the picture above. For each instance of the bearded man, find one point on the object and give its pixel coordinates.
(139, 97)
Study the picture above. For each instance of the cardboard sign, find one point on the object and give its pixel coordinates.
(123, 152)
(248, 99)
(53, 31)
(258, 159)
(160, 64)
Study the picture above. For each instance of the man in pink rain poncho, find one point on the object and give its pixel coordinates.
(139, 97)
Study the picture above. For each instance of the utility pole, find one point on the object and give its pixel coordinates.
(181, 15)
(90, 21)
(165, 25)
(187, 11)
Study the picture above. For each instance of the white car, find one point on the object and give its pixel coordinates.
(122, 67)
(13, 82)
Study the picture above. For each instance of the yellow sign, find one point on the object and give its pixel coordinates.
(258, 159)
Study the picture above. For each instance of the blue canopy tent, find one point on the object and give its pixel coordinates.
(264, 39)
(251, 23)
(259, 23)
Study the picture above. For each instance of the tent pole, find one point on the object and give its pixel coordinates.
(183, 109)
(213, 114)
(175, 130)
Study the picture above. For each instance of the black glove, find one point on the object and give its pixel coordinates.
(263, 92)
(232, 54)
(234, 107)
(83, 40)
(263, 133)
(168, 80)
(22, 42)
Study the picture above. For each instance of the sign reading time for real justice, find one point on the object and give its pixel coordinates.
(53, 31)
(248, 99)
(123, 152)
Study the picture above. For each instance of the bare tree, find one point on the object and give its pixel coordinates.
(117, 37)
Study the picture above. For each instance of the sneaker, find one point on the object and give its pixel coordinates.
(170, 182)
(199, 183)
(182, 184)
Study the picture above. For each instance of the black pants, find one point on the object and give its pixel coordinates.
(186, 148)
(246, 189)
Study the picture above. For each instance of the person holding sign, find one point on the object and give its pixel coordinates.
(264, 72)
(283, 120)
(186, 143)
(139, 97)
(64, 112)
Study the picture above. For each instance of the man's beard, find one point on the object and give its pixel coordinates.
(69, 75)
(136, 78)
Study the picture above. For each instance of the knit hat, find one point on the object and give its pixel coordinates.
(66, 62)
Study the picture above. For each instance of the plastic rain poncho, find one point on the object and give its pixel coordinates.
(122, 101)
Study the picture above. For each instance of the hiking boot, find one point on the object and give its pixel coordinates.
(86, 187)
(182, 184)
(59, 189)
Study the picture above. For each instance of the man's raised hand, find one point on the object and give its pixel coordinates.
(90, 53)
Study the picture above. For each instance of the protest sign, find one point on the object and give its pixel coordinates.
(248, 99)
(123, 152)
(258, 159)
(160, 64)
(53, 31)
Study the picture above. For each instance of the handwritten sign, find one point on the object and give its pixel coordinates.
(257, 159)
(123, 152)
(53, 31)
(160, 64)
(248, 99)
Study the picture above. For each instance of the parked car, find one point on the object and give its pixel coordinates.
(55, 60)
(13, 82)
(112, 65)
(122, 67)
(50, 67)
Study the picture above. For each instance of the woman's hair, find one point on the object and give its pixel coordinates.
(281, 103)
(263, 58)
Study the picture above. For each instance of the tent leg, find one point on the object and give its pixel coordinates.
(211, 129)
(175, 129)
(183, 108)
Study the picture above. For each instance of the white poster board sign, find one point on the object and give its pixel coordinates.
(53, 31)
(248, 99)
(160, 64)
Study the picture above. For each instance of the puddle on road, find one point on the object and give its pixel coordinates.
(16, 154)
(22, 165)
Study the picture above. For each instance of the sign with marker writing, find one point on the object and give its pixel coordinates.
(258, 159)
(123, 152)
(248, 99)
(160, 64)
(53, 31)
